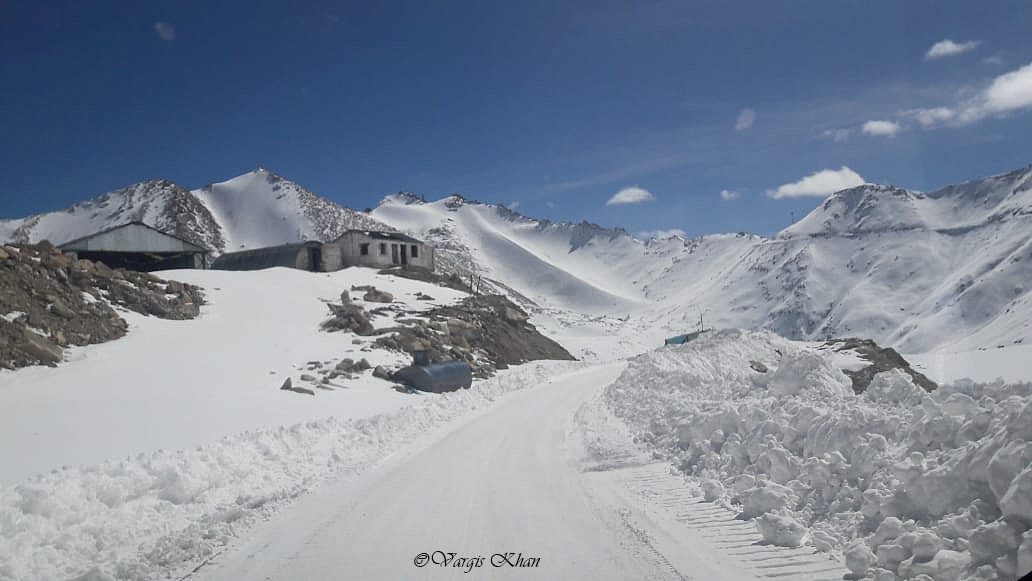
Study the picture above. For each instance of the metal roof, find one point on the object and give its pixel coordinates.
(381, 235)
(82, 243)
(266, 257)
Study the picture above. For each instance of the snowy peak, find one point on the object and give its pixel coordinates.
(261, 208)
(258, 208)
(160, 203)
(875, 208)
(864, 208)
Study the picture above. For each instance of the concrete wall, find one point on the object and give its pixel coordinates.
(381, 253)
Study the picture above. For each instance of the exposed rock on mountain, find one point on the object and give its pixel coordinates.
(49, 302)
(256, 209)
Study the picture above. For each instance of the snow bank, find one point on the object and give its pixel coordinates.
(139, 517)
(903, 482)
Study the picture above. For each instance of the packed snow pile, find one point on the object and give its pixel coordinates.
(145, 516)
(902, 481)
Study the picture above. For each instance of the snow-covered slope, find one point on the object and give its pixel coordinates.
(946, 269)
(256, 209)
(918, 271)
(260, 208)
(559, 265)
(160, 203)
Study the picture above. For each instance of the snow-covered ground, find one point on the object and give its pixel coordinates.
(144, 516)
(901, 481)
(145, 456)
(160, 450)
(176, 384)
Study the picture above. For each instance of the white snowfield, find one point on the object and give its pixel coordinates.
(177, 384)
(742, 455)
(945, 271)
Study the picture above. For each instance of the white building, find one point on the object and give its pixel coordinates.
(378, 250)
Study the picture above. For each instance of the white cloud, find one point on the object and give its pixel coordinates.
(880, 128)
(947, 47)
(745, 120)
(1009, 92)
(661, 234)
(165, 31)
(933, 116)
(837, 135)
(631, 195)
(550, 204)
(513, 205)
(995, 60)
(822, 183)
(729, 195)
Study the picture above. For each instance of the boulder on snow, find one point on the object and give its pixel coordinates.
(41, 348)
(378, 296)
(381, 372)
(289, 386)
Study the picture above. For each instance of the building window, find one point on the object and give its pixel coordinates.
(415, 251)
(383, 249)
(363, 249)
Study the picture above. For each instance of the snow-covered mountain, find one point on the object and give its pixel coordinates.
(912, 270)
(160, 203)
(918, 271)
(261, 208)
(256, 209)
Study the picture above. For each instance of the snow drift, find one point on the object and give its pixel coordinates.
(143, 516)
(902, 481)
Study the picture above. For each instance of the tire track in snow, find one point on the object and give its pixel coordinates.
(719, 527)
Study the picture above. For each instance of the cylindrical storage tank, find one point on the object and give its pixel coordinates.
(437, 378)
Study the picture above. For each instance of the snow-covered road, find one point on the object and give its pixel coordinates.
(510, 480)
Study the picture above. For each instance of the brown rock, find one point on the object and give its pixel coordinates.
(378, 296)
(62, 310)
(41, 348)
(513, 316)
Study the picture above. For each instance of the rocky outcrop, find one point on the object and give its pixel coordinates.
(49, 301)
(881, 359)
(489, 332)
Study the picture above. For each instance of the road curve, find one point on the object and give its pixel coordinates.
(503, 485)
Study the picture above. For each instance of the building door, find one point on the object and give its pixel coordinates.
(315, 259)
(394, 253)
(404, 255)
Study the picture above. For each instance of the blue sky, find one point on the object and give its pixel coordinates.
(705, 115)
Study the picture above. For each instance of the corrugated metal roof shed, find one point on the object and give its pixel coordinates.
(297, 255)
(682, 339)
(131, 237)
(381, 235)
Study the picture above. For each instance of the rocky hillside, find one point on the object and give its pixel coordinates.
(489, 332)
(158, 203)
(49, 302)
(256, 209)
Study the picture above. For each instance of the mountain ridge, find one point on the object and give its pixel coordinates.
(914, 270)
